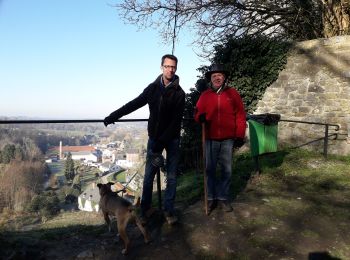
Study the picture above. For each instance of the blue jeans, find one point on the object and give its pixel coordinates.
(172, 160)
(218, 152)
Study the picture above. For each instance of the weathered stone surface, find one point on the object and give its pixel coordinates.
(314, 87)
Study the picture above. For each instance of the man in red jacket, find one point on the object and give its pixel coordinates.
(221, 109)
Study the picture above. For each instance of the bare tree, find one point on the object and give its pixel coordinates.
(31, 150)
(336, 17)
(20, 181)
(213, 20)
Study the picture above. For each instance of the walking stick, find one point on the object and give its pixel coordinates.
(204, 171)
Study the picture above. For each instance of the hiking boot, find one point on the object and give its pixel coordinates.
(171, 219)
(226, 206)
(212, 204)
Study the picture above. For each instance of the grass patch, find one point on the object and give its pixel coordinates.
(305, 197)
(57, 168)
(269, 245)
(189, 187)
(282, 206)
(10, 220)
(120, 177)
(258, 222)
(309, 234)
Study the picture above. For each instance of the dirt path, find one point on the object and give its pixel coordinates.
(237, 235)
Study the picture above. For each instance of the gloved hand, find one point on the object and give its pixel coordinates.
(156, 159)
(114, 189)
(238, 143)
(202, 118)
(107, 121)
(122, 190)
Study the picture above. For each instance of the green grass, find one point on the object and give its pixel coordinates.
(118, 177)
(88, 174)
(189, 187)
(57, 167)
(305, 196)
(299, 171)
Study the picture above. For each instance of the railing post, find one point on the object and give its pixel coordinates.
(256, 165)
(325, 142)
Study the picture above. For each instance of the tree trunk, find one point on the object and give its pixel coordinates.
(336, 17)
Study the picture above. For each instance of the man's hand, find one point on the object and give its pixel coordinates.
(238, 143)
(156, 159)
(202, 118)
(122, 190)
(107, 121)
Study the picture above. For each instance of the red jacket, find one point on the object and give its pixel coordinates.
(225, 114)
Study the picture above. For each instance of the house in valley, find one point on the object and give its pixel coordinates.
(89, 199)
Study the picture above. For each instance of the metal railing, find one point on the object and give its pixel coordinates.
(4, 122)
(326, 136)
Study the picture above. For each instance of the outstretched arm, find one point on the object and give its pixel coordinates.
(128, 108)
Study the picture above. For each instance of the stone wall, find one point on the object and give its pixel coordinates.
(315, 87)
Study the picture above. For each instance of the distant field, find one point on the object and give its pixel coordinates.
(120, 177)
(57, 167)
(88, 174)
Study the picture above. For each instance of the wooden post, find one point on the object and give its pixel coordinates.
(204, 171)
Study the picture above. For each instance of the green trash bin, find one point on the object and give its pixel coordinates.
(263, 130)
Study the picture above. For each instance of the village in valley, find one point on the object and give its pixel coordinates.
(120, 161)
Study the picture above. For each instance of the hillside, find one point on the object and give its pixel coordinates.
(297, 208)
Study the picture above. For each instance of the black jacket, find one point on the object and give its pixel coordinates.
(166, 108)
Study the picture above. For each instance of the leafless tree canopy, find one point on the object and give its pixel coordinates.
(213, 20)
(20, 180)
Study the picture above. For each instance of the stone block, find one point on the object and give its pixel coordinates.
(295, 103)
(304, 110)
(315, 88)
(346, 74)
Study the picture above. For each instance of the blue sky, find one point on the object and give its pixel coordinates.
(76, 59)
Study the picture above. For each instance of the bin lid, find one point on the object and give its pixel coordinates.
(266, 119)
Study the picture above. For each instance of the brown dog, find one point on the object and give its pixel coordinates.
(123, 210)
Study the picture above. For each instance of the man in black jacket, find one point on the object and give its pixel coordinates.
(166, 101)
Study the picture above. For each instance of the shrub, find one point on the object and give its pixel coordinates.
(68, 194)
(46, 204)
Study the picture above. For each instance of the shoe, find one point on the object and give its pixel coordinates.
(212, 204)
(171, 219)
(226, 206)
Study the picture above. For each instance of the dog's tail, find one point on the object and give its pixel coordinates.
(137, 203)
